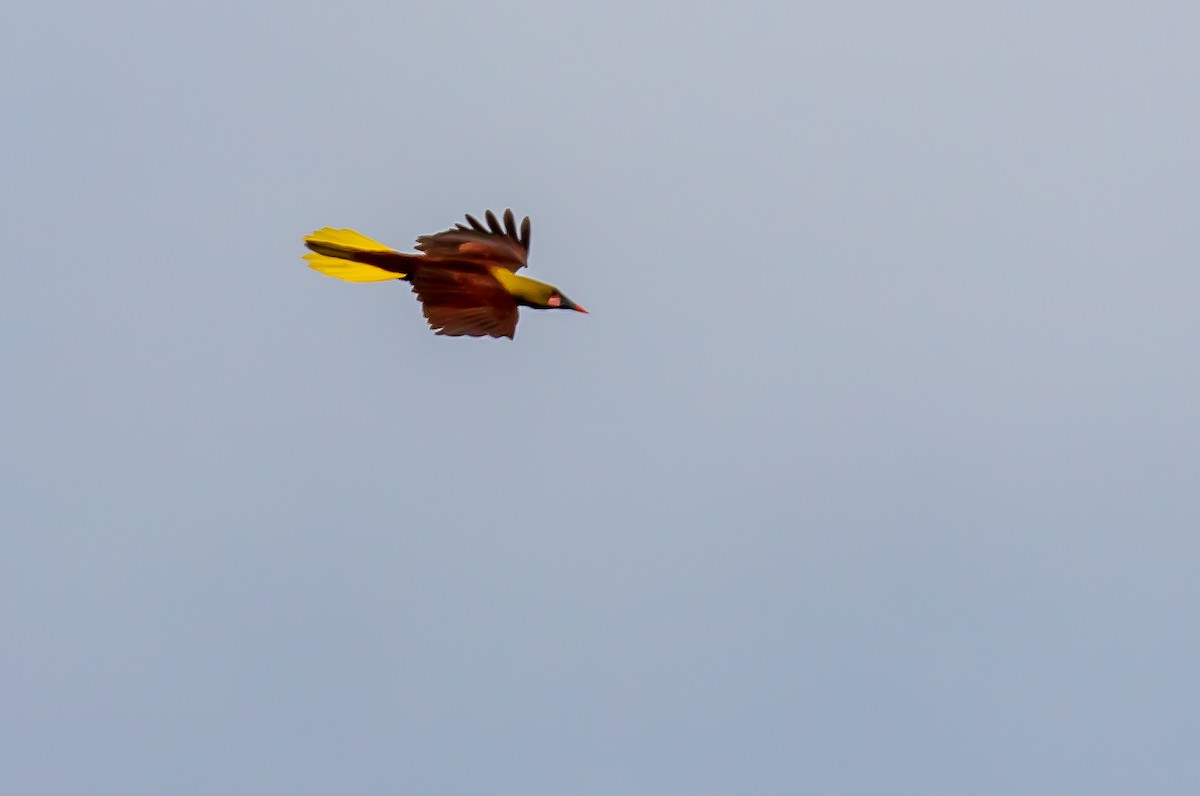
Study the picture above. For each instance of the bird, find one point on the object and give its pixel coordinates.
(465, 277)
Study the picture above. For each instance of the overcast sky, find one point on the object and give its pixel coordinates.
(873, 470)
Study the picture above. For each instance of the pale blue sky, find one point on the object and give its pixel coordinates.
(873, 470)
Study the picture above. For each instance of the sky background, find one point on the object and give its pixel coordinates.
(873, 470)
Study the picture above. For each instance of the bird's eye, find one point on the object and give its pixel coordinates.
(555, 301)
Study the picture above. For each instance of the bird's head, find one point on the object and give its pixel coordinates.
(557, 301)
(532, 293)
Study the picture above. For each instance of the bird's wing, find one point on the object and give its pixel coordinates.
(464, 300)
(505, 246)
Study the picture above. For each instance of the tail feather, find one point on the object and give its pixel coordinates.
(352, 256)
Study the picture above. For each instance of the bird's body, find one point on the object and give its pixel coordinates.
(465, 277)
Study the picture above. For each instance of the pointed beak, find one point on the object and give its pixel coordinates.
(567, 304)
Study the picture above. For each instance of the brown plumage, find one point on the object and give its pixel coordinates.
(464, 277)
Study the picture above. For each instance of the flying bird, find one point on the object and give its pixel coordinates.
(465, 277)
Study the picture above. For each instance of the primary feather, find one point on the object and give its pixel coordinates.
(491, 245)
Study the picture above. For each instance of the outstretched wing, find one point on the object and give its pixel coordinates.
(504, 246)
(464, 300)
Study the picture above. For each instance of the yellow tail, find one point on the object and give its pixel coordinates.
(349, 255)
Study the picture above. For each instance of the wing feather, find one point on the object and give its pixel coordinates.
(496, 244)
(463, 299)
